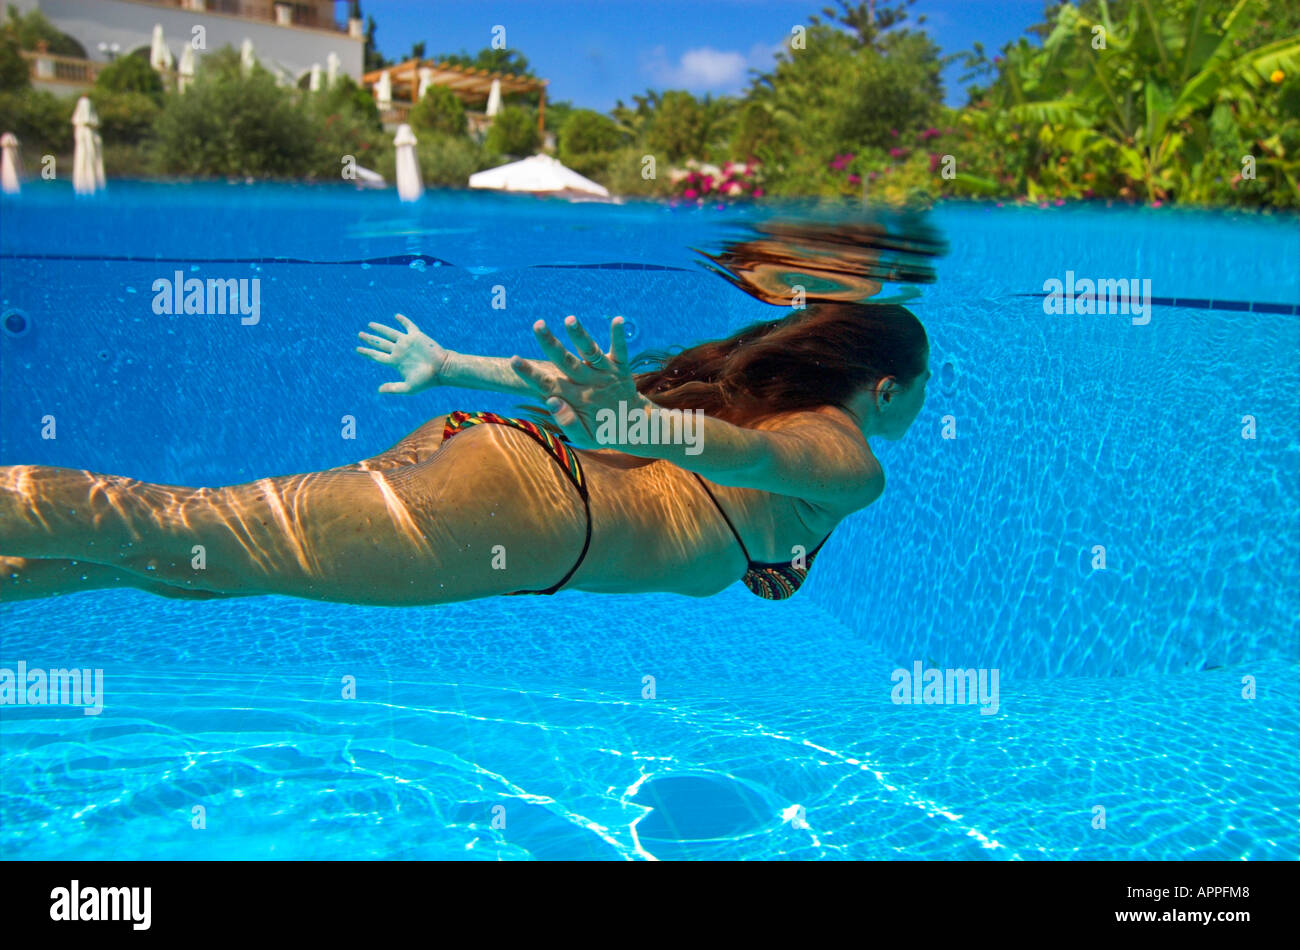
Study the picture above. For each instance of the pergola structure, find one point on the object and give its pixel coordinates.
(471, 85)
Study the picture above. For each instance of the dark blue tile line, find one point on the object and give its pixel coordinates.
(397, 259)
(1201, 303)
(616, 265)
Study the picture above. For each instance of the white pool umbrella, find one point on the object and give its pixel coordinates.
(494, 98)
(384, 92)
(541, 174)
(426, 80)
(409, 186)
(10, 164)
(84, 164)
(247, 60)
(160, 57)
(315, 77)
(100, 180)
(332, 64)
(185, 73)
(368, 178)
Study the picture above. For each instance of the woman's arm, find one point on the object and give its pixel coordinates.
(424, 364)
(817, 456)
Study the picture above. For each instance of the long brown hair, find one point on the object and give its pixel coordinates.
(820, 356)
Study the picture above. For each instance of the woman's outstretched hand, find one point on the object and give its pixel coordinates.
(579, 387)
(419, 359)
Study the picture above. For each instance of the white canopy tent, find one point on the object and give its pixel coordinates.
(540, 174)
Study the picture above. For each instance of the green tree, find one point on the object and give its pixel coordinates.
(372, 59)
(439, 110)
(124, 117)
(679, 127)
(493, 60)
(588, 140)
(1151, 98)
(41, 120)
(14, 72)
(513, 132)
(131, 74)
(32, 28)
(231, 124)
(839, 95)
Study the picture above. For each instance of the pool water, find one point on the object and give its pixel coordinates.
(1161, 689)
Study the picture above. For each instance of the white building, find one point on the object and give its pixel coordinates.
(287, 37)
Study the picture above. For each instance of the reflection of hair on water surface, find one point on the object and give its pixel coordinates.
(785, 261)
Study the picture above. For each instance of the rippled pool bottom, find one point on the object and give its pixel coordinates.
(784, 746)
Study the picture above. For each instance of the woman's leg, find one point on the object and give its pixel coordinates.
(32, 578)
(487, 515)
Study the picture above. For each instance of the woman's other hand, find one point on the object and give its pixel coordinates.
(416, 356)
(578, 389)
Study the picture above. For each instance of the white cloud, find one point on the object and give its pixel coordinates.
(705, 69)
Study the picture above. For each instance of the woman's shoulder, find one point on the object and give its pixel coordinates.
(833, 429)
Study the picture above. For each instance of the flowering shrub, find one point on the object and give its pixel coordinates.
(732, 180)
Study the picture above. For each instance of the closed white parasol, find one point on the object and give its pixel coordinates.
(10, 164)
(160, 57)
(86, 164)
(185, 73)
(409, 186)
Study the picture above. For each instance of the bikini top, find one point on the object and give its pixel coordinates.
(771, 581)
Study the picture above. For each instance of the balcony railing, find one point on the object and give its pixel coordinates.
(46, 67)
(306, 15)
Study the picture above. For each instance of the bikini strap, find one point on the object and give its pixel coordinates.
(744, 550)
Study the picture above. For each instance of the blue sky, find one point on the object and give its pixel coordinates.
(595, 52)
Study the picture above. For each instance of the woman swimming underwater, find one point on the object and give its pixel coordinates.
(473, 504)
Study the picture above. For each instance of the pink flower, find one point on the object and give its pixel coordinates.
(1157, 203)
(855, 179)
(1058, 202)
(934, 161)
(758, 192)
(708, 182)
(894, 132)
(897, 152)
(689, 193)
